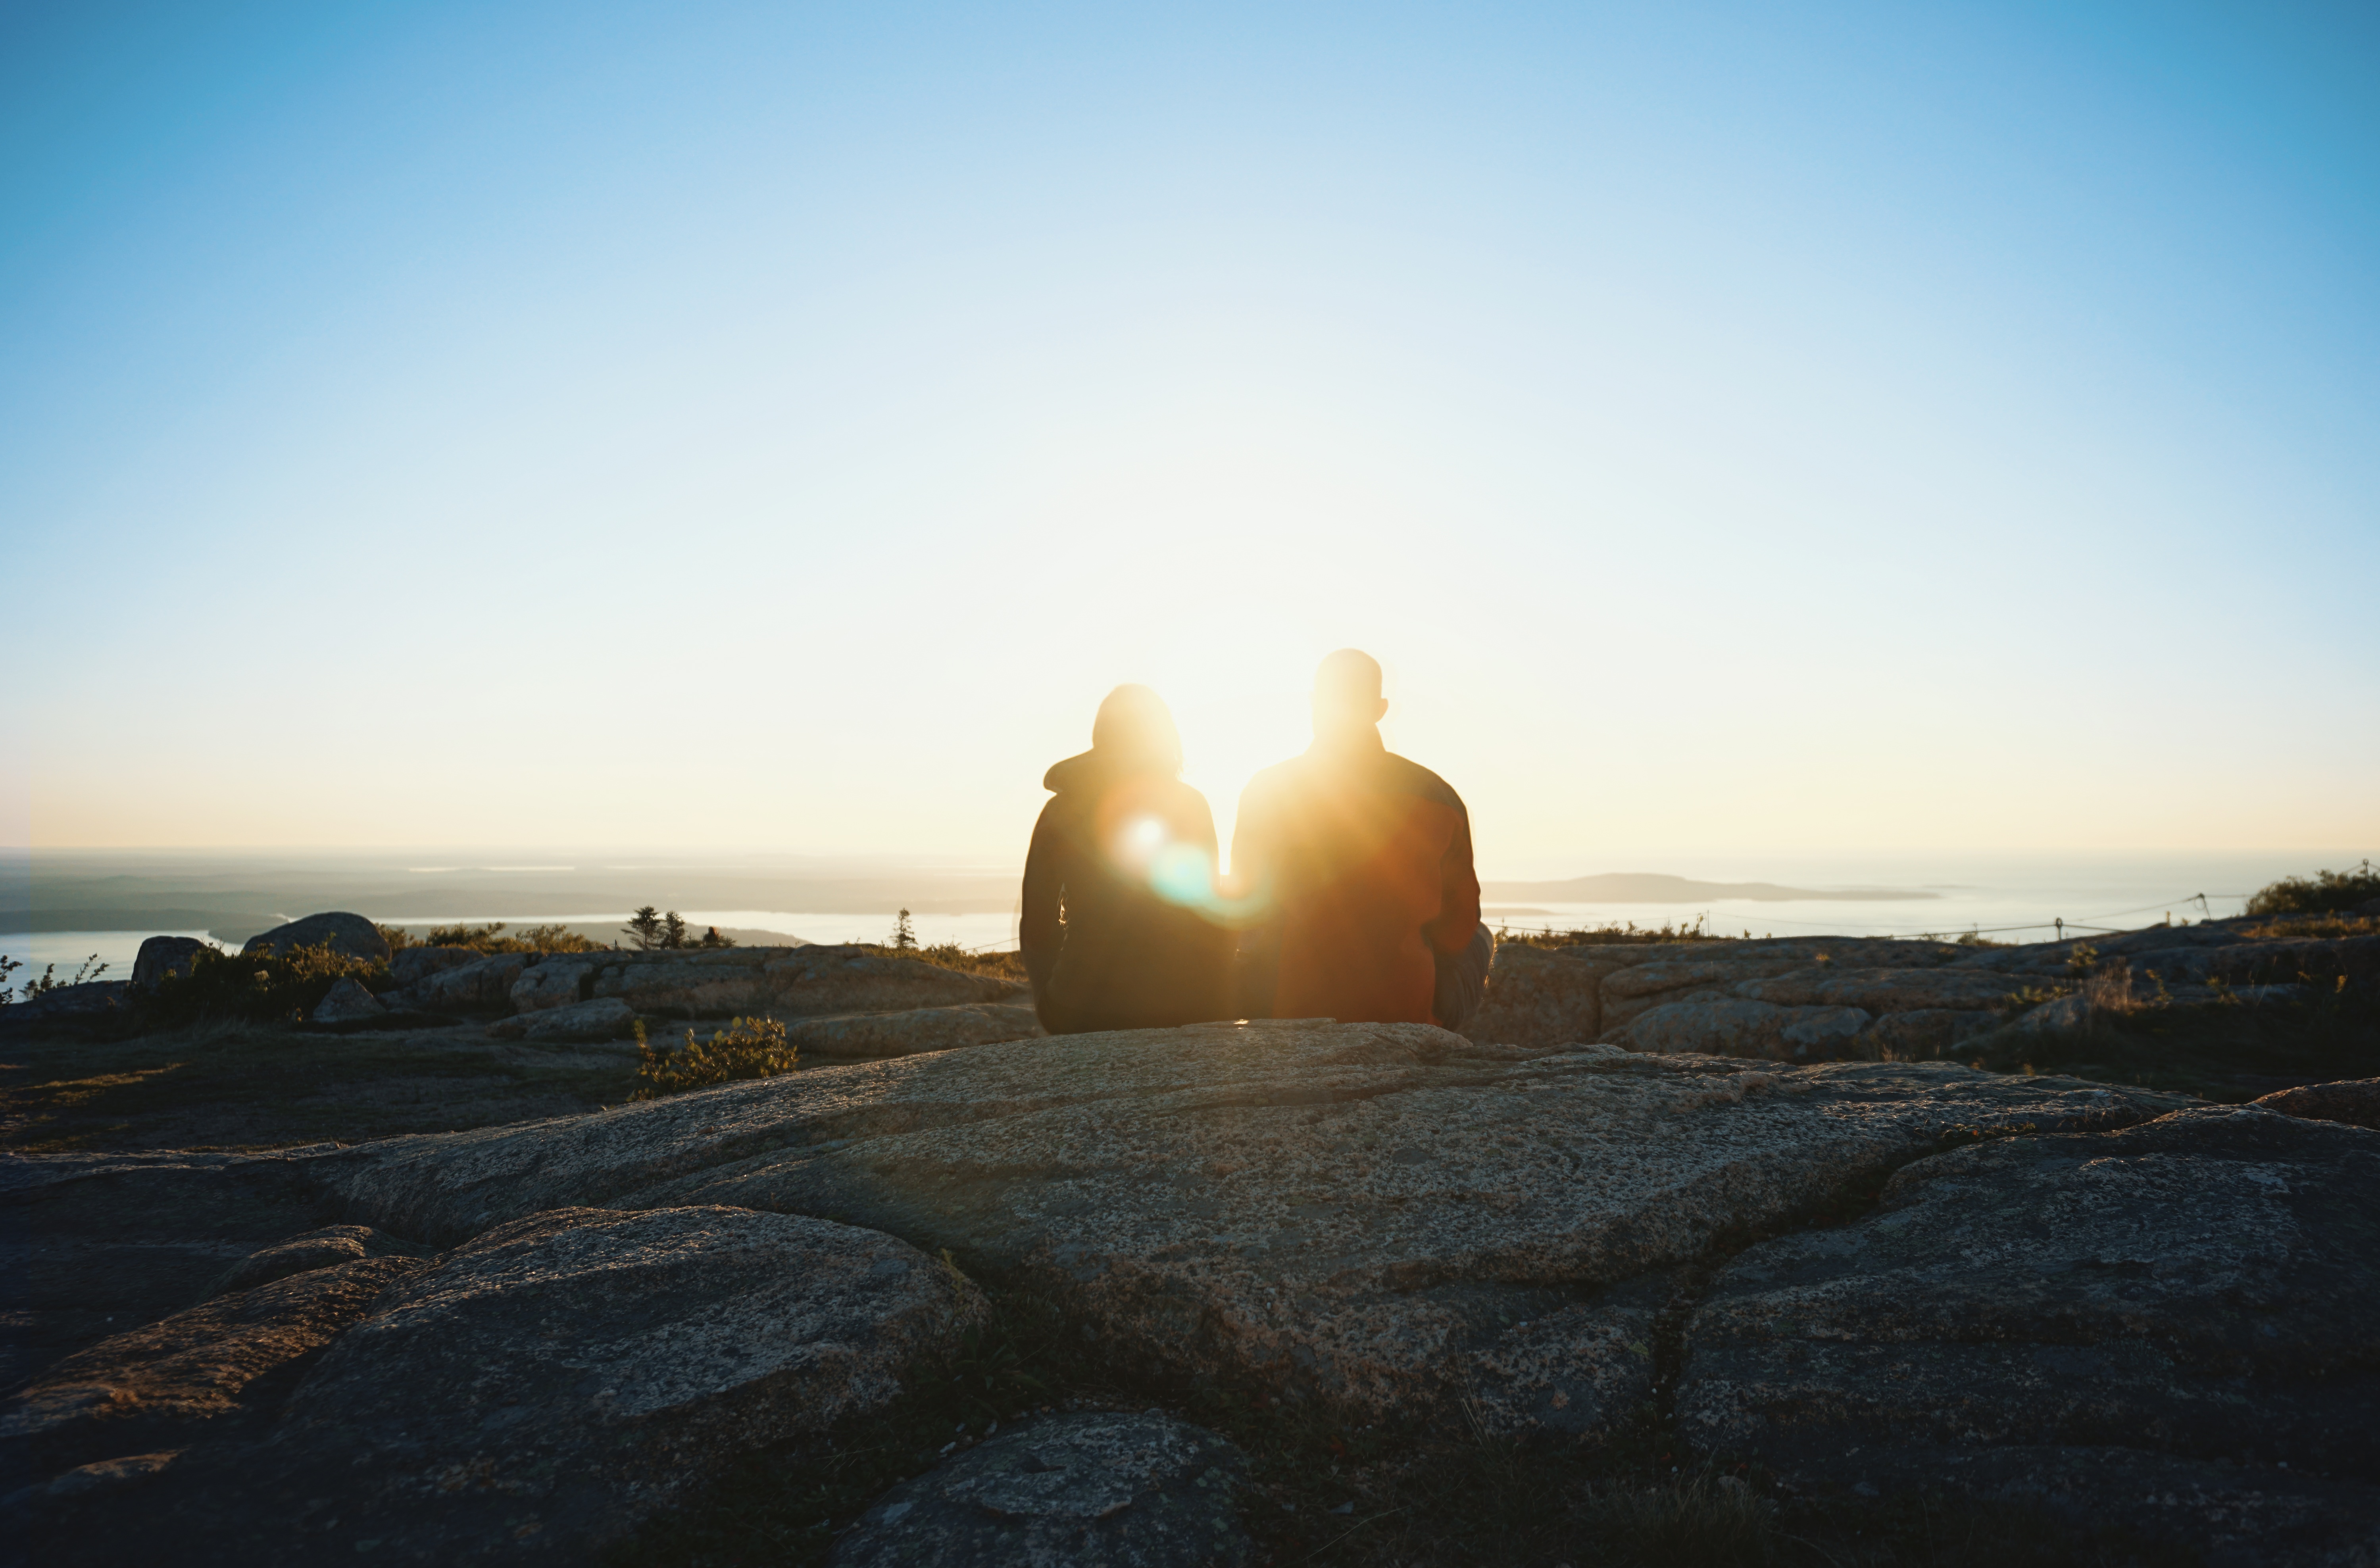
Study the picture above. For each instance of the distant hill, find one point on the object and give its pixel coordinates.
(1651, 887)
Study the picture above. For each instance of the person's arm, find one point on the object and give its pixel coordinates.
(1038, 929)
(1458, 890)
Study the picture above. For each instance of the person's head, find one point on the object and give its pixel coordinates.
(1347, 700)
(1133, 730)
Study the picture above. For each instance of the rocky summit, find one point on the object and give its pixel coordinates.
(1389, 1216)
(1742, 1198)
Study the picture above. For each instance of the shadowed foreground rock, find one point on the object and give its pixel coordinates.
(2354, 1102)
(325, 1248)
(1088, 1491)
(2202, 1288)
(535, 1392)
(162, 1385)
(1385, 1215)
(94, 1245)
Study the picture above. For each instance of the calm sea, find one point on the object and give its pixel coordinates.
(2015, 898)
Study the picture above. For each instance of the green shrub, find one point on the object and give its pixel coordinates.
(2327, 893)
(746, 1047)
(264, 988)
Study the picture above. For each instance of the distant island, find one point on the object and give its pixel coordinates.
(1651, 887)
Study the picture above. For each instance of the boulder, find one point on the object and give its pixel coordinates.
(1733, 1026)
(1091, 1490)
(410, 964)
(2199, 1287)
(348, 1002)
(1545, 996)
(2355, 1102)
(350, 935)
(535, 1392)
(606, 1018)
(1386, 1215)
(482, 983)
(168, 1382)
(551, 982)
(785, 982)
(1641, 987)
(164, 955)
(872, 1035)
(323, 1248)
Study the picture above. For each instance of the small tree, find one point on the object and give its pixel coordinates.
(904, 935)
(712, 939)
(674, 930)
(644, 929)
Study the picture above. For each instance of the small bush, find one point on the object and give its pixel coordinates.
(746, 1047)
(264, 988)
(2326, 893)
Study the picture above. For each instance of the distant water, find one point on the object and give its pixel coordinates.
(70, 950)
(2013, 898)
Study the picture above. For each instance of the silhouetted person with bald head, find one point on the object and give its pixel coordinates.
(1104, 944)
(1363, 860)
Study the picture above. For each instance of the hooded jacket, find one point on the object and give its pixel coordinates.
(1103, 948)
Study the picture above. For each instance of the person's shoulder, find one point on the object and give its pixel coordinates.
(1409, 777)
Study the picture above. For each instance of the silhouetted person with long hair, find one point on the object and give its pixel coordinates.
(1104, 946)
(1362, 861)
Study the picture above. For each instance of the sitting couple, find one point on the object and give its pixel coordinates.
(1352, 895)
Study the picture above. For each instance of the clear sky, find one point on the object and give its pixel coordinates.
(1797, 428)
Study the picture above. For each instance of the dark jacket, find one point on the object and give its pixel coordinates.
(1103, 948)
(1364, 860)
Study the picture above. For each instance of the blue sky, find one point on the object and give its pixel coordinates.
(1824, 428)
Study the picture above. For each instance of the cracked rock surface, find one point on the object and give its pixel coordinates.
(2201, 1288)
(1385, 1215)
(536, 1392)
(1099, 1491)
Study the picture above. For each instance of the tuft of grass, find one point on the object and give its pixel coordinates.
(2298, 927)
(1004, 965)
(2325, 892)
(746, 1047)
(1626, 934)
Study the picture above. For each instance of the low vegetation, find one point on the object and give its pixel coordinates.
(257, 988)
(2325, 892)
(41, 985)
(746, 1047)
(1610, 935)
(491, 938)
